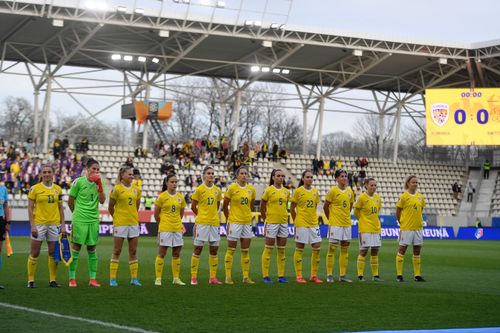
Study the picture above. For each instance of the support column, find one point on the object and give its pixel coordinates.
(36, 125)
(396, 136)
(222, 118)
(47, 115)
(146, 125)
(320, 125)
(381, 131)
(304, 130)
(237, 107)
(133, 136)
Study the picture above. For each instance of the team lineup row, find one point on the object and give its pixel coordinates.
(46, 216)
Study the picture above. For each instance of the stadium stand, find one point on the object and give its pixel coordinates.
(435, 178)
(495, 202)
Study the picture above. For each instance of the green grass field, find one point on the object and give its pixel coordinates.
(463, 290)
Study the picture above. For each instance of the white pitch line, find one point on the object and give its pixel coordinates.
(90, 321)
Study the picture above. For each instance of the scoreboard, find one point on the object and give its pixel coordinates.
(462, 116)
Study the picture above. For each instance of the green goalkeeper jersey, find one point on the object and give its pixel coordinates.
(86, 201)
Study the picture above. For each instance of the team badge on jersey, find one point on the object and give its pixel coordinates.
(249, 192)
(56, 192)
(179, 200)
(440, 113)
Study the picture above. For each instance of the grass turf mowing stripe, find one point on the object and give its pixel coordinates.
(91, 321)
(450, 330)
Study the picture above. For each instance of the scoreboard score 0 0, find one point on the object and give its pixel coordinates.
(462, 116)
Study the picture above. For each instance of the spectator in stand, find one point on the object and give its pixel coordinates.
(470, 192)
(29, 145)
(486, 169)
(289, 184)
(456, 190)
(357, 162)
(284, 154)
(362, 176)
(139, 152)
(350, 180)
(129, 161)
(257, 150)
(315, 165)
(264, 150)
(275, 151)
(332, 164)
(364, 162)
(84, 145)
(65, 145)
(255, 172)
(57, 148)
(137, 181)
(338, 165)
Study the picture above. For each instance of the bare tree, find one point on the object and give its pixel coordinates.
(367, 131)
(17, 119)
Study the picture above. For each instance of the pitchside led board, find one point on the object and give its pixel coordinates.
(463, 116)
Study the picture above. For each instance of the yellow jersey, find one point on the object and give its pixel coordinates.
(369, 208)
(340, 206)
(171, 205)
(412, 206)
(208, 199)
(306, 202)
(137, 183)
(125, 205)
(47, 200)
(240, 198)
(276, 204)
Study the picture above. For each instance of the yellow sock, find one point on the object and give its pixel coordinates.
(314, 262)
(266, 260)
(343, 259)
(195, 263)
(113, 268)
(374, 265)
(52, 269)
(416, 265)
(159, 262)
(330, 258)
(361, 265)
(281, 260)
(31, 268)
(245, 263)
(134, 268)
(297, 261)
(176, 267)
(213, 262)
(399, 264)
(228, 261)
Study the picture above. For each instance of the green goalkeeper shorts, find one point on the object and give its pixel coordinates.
(85, 234)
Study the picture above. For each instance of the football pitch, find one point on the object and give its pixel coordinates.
(463, 290)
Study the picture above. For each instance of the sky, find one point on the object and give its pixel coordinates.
(445, 22)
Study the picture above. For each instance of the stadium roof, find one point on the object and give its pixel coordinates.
(62, 33)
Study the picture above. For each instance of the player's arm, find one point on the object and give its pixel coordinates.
(263, 209)
(71, 203)
(111, 206)
(293, 212)
(357, 212)
(225, 208)
(181, 212)
(31, 207)
(326, 209)
(138, 203)
(61, 216)
(194, 206)
(157, 213)
(398, 214)
(102, 197)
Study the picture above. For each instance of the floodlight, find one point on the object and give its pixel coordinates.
(257, 23)
(128, 58)
(249, 23)
(121, 9)
(255, 69)
(265, 69)
(443, 61)
(139, 11)
(186, 1)
(164, 33)
(96, 5)
(276, 70)
(155, 60)
(58, 23)
(221, 4)
(358, 53)
(267, 43)
(282, 27)
(116, 57)
(285, 71)
(274, 26)
(205, 2)
(141, 59)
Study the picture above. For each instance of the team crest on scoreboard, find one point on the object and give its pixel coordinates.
(440, 113)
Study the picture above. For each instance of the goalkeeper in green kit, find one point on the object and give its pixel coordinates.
(84, 197)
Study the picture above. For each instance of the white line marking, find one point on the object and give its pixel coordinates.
(90, 321)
